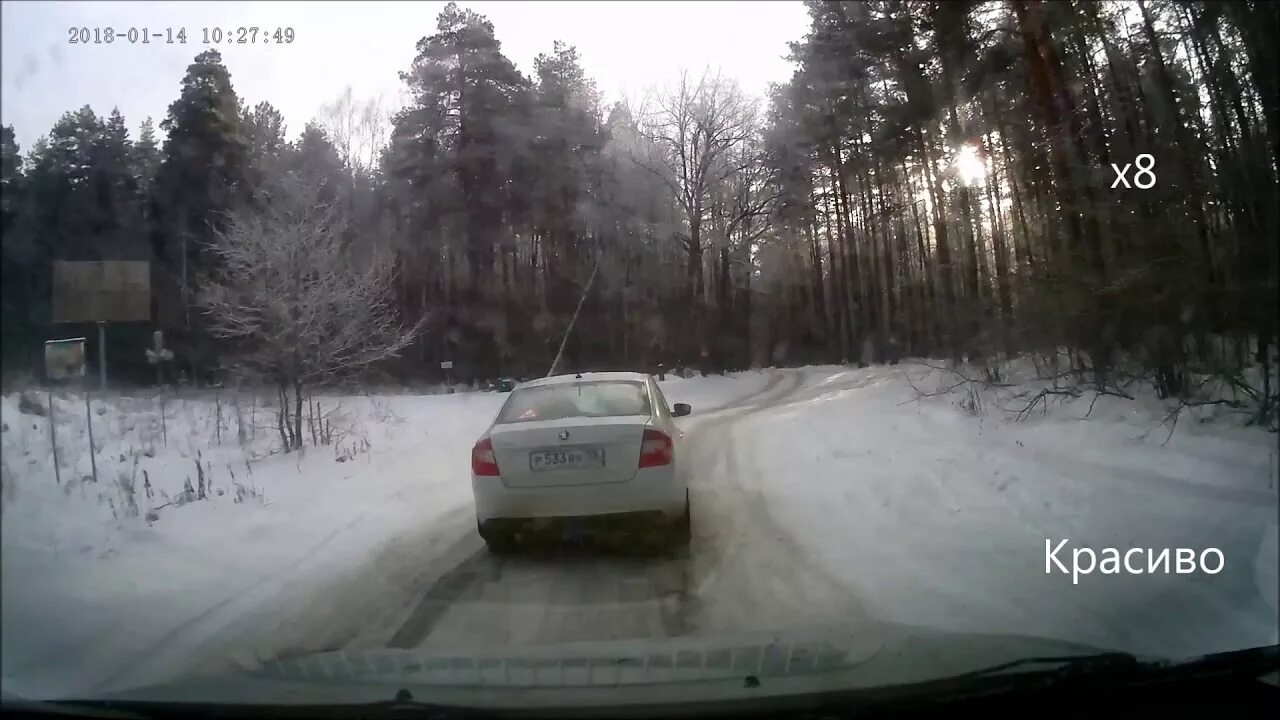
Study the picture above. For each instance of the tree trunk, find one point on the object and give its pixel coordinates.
(815, 269)
(1003, 294)
(839, 309)
(695, 339)
(884, 269)
(297, 414)
(1053, 97)
(928, 305)
(1191, 192)
(945, 270)
(282, 417)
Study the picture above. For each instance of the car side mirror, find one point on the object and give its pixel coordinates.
(681, 409)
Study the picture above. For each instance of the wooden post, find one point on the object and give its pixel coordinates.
(102, 355)
(88, 417)
(53, 440)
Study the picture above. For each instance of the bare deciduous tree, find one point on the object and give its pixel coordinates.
(360, 130)
(690, 137)
(296, 305)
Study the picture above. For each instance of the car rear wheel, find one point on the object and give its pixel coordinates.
(499, 540)
(684, 526)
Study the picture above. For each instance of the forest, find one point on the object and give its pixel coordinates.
(1092, 184)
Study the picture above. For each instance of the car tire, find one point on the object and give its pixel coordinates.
(500, 545)
(684, 526)
(498, 540)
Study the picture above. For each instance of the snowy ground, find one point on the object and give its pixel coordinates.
(931, 516)
(821, 495)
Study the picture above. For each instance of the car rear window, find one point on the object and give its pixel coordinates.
(599, 398)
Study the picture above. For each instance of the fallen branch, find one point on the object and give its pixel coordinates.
(1092, 402)
(1040, 398)
(922, 394)
(1172, 416)
(966, 378)
(1099, 392)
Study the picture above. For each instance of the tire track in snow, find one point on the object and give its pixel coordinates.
(754, 561)
(178, 642)
(362, 607)
(463, 579)
(746, 561)
(368, 607)
(770, 393)
(774, 377)
(466, 595)
(535, 597)
(643, 597)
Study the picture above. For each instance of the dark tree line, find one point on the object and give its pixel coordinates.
(886, 247)
(935, 180)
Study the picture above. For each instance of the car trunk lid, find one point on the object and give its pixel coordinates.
(569, 451)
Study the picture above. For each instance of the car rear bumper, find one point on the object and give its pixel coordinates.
(639, 524)
(652, 490)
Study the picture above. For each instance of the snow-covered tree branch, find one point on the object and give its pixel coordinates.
(296, 304)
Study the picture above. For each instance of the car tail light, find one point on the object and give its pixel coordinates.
(655, 449)
(482, 459)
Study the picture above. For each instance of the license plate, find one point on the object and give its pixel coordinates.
(567, 459)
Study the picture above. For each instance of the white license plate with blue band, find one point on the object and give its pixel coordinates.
(566, 459)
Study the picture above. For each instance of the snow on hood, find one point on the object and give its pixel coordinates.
(619, 672)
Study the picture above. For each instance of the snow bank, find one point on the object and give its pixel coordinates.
(86, 583)
(934, 512)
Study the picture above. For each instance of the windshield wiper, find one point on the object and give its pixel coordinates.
(1118, 669)
(1068, 665)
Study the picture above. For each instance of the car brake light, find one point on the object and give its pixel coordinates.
(655, 449)
(482, 460)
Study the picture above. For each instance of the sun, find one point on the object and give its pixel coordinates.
(969, 167)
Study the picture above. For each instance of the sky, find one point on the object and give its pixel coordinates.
(627, 47)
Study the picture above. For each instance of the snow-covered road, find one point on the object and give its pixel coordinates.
(822, 497)
(737, 571)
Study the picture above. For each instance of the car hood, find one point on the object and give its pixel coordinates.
(617, 673)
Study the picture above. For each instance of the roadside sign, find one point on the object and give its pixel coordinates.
(101, 291)
(446, 364)
(64, 359)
